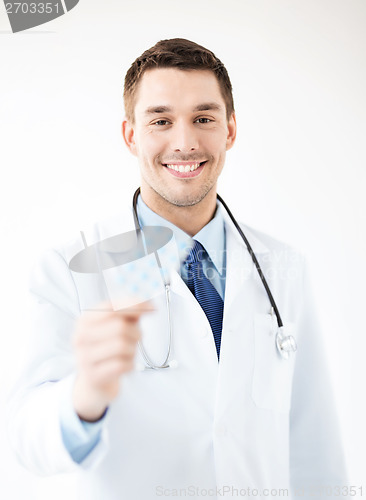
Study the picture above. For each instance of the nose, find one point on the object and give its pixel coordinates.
(184, 138)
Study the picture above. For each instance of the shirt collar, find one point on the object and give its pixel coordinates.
(211, 236)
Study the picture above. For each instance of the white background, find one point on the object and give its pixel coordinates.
(296, 172)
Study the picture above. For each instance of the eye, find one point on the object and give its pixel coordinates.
(161, 123)
(204, 120)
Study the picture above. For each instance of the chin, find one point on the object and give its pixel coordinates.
(186, 199)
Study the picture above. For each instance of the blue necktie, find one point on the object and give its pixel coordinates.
(206, 294)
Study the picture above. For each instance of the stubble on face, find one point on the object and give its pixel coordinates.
(183, 197)
(179, 99)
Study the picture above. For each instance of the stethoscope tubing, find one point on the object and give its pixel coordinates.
(244, 238)
(166, 363)
(255, 261)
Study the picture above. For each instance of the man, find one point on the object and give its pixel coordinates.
(233, 412)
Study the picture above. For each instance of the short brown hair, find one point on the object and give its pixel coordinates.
(176, 53)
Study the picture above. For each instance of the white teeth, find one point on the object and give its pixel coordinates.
(184, 168)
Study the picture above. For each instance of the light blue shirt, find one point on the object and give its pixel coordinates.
(81, 437)
(211, 236)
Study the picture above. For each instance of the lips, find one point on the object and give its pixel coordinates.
(185, 169)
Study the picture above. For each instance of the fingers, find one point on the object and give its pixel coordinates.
(106, 327)
(105, 344)
(132, 306)
(118, 347)
(105, 374)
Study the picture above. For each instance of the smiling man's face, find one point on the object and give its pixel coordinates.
(180, 135)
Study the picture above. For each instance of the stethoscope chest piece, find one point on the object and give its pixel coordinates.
(286, 344)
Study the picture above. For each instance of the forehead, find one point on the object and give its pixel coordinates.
(177, 89)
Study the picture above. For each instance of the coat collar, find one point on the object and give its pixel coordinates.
(124, 222)
(239, 265)
(257, 245)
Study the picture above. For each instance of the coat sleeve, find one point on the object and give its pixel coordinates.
(34, 411)
(317, 461)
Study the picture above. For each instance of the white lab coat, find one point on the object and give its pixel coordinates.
(254, 421)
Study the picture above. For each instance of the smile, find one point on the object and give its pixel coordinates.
(188, 167)
(185, 170)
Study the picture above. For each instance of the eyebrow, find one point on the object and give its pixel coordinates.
(207, 106)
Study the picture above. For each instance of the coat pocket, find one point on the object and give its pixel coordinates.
(272, 375)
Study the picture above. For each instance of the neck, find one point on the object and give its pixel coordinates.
(190, 219)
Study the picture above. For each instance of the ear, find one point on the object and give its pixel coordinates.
(231, 127)
(128, 133)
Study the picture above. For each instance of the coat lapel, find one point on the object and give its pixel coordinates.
(239, 265)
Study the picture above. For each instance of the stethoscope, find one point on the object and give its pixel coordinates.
(286, 344)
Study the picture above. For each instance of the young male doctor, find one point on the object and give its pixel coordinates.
(234, 412)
